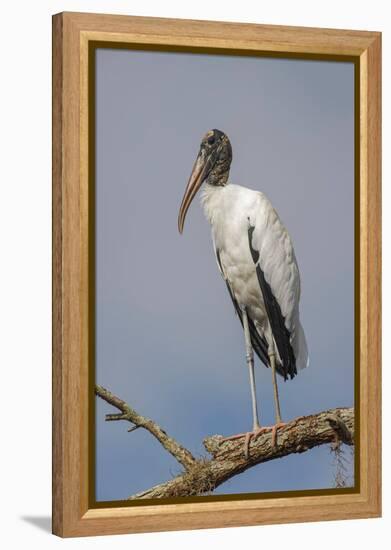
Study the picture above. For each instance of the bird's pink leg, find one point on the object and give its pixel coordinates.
(257, 429)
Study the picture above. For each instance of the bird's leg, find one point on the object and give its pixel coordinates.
(250, 364)
(272, 357)
(279, 423)
(257, 429)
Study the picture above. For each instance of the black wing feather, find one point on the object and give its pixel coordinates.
(276, 319)
(258, 342)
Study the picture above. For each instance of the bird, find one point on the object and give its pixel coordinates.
(256, 259)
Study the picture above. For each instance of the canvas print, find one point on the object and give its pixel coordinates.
(224, 276)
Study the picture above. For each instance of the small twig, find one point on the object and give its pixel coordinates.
(179, 452)
(342, 466)
(134, 428)
(110, 417)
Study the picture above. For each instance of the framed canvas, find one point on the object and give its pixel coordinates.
(156, 336)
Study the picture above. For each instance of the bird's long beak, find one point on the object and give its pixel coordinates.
(200, 170)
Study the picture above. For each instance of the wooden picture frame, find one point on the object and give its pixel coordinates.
(73, 34)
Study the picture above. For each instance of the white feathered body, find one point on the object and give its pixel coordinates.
(231, 209)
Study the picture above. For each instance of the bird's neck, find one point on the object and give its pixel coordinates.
(211, 199)
(218, 176)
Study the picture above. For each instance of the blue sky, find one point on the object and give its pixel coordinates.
(168, 341)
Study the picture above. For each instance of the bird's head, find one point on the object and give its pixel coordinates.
(211, 166)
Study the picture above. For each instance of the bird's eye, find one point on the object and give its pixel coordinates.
(211, 140)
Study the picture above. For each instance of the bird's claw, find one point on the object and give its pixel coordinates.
(274, 432)
(248, 436)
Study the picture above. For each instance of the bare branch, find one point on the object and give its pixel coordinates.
(110, 417)
(173, 447)
(228, 457)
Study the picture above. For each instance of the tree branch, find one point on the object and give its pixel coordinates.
(227, 457)
(179, 452)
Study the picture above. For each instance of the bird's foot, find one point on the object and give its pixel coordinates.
(274, 431)
(248, 436)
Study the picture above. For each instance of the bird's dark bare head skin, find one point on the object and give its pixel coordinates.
(211, 166)
(216, 145)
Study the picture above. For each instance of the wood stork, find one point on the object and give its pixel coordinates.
(255, 256)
